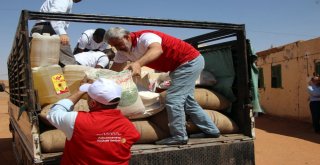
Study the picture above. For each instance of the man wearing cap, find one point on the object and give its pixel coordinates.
(102, 135)
(164, 53)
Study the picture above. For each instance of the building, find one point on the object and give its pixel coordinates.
(284, 73)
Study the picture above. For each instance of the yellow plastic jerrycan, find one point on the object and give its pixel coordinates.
(45, 49)
(50, 84)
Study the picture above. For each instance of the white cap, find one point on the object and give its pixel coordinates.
(102, 90)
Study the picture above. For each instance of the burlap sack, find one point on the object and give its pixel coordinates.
(208, 99)
(52, 141)
(150, 111)
(161, 120)
(81, 105)
(152, 102)
(149, 132)
(224, 123)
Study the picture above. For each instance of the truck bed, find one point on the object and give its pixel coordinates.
(222, 150)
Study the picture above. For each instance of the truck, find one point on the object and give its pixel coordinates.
(237, 148)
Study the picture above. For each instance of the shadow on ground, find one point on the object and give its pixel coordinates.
(6, 152)
(287, 127)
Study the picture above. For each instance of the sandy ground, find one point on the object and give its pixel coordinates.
(278, 141)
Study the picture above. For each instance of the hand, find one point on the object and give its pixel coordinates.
(86, 80)
(135, 67)
(64, 39)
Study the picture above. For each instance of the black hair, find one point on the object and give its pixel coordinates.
(98, 35)
(99, 32)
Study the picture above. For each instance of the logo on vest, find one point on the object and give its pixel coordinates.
(110, 137)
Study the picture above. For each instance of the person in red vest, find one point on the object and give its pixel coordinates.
(164, 53)
(102, 135)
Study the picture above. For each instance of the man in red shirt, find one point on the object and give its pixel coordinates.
(102, 135)
(165, 53)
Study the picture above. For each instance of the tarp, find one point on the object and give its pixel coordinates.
(220, 63)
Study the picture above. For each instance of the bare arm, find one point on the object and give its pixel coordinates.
(76, 96)
(118, 66)
(154, 51)
(77, 50)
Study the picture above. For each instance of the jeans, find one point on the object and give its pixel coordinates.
(315, 114)
(180, 101)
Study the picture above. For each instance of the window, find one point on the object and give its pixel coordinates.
(317, 68)
(260, 78)
(276, 76)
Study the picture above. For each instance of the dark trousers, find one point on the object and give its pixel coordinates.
(315, 114)
(66, 56)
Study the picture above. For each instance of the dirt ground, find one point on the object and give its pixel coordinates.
(278, 141)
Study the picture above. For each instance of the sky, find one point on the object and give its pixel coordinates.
(269, 23)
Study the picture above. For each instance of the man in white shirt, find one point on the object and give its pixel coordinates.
(57, 27)
(91, 40)
(93, 59)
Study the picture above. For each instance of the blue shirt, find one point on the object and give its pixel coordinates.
(314, 92)
(62, 117)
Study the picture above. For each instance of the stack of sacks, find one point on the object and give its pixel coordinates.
(156, 127)
(224, 124)
(152, 122)
(212, 102)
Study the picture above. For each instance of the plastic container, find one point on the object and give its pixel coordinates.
(50, 84)
(45, 49)
(74, 74)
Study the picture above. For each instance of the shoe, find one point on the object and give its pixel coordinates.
(171, 141)
(203, 135)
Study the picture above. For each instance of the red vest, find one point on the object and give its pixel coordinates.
(100, 137)
(175, 51)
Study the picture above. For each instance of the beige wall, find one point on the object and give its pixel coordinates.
(297, 65)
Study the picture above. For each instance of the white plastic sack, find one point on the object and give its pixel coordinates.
(130, 103)
(152, 102)
(206, 79)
